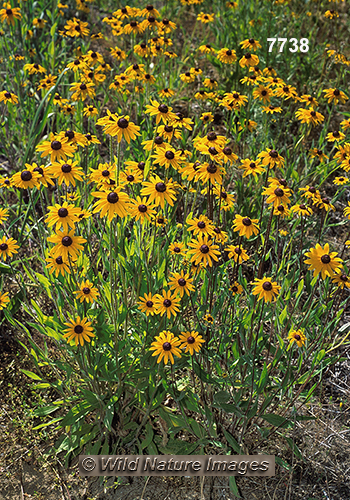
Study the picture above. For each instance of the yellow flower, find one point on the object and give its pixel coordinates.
(111, 203)
(79, 330)
(181, 283)
(167, 303)
(335, 95)
(166, 346)
(4, 300)
(66, 244)
(191, 341)
(87, 292)
(322, 261)
(298, 337)
(9, 13)
(266, 289)
(203, 250)
(8, 247)
(246, 226)
(159, 191)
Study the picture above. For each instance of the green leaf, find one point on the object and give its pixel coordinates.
(54, 421)
(282, 463)
(222, 397)
(233, 487)
(232, 442)
(277, 420)
(31, 374)
(45, 410)
(294, 448)
(148, 438)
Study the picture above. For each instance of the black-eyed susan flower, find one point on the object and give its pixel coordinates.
(298, 337)
(160, 111)
(8, 247)
(251, 167)
(250, 44)
(200, 225)
(341, 279)
(57, 265)
(104, 174)
(191, 341)
(181, 283)
(166, 347)
(9, 13)
(345, 124)
(226, 56)
(211, 172)
(318, 153)
(205, 18)
(309, 100)
(79, 330)
(331, 14)
(301, 209)
(166, 92)
(66, 171)
(146, 304)
(177, 248)
(87, 292)
(286, 91)
(234, 100)
(272, 158)
(167, 157)
(111, 203)
(34, 69)
(335, 95)
(39, 22)
(236, 288)
(246, 226)
(277, 195)
(266, 289)
(82, 91)
(249, 60)
(64, 216)
(207, 117)
(237, 253)
(6, 97)
(263, 93)
(141, 209)
(130, 176)
(4, 300)
(208, 318)
(67, 244)
(207, 49)
(187, 77)
(26, 179)
(159, 191)
(335, 136)
(58, 148)
(339, 181)
(3, 214)
(76, 28)
(321, 260)
(90, 111)
(167, 303)
(203, 250)
(91, 139)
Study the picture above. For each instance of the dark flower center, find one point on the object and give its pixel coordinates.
(234, 288)
(141, 165)
(86, 290)
(163, 108)
(211, 168)
(212, 150)
(26, 176)
(336, 133)
(325, 259)
(149, 303)
(286, 89)
(83, 86)
(142, 208)
(251, 40)
(177, 250)
(9, 12)
(36, 66)
(246, 221)
(336, 91)
(122, 123)
(130, 178)
(69, 134)
(280, 208)
(62, 212)
(190, 340)
(201, 224)
(264, 92)
(105, 173)
(319, 152)
(67, 241)
(204, 249)
(66, 168)
(267, 286)
(343, 277)
(167, 346)
(248, 56)
(211, 136)
(4, 247)
(56, 145)
(312, 190)
(273, 153)
(313, 113)
(208, 46)
(143, 45)
(78, 329)
(297, 337)
(279, 192)
(59, 260)
(168, 128)
(169, 155)
(235, 95)
(229, 52)
(252, 165)
(158, 140)
(303, 207)
(112, 197)
(39, 170)
(8, 95)
(165, 21)
(133, 24)
(167, 302)
(182, 282)
(238, 251)
(160, 187)
(188, 73)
